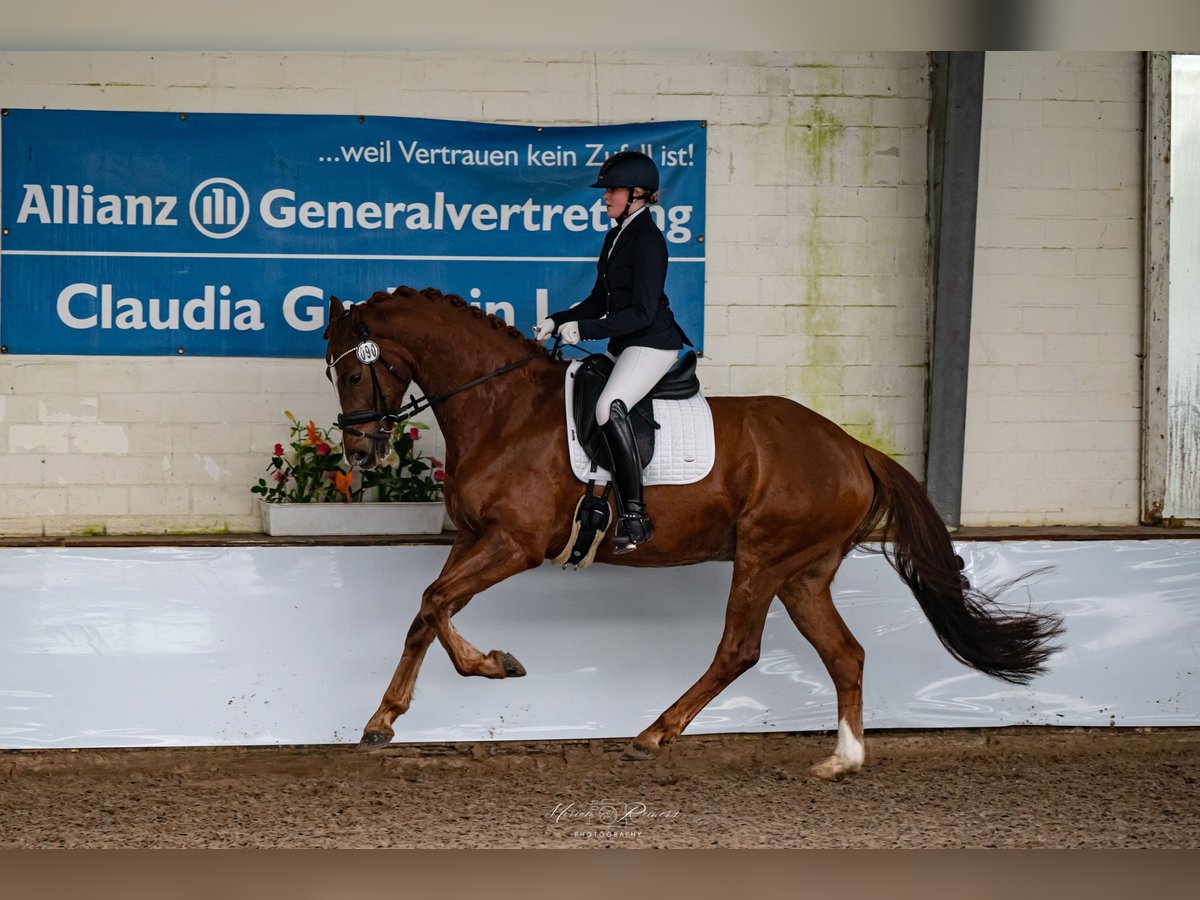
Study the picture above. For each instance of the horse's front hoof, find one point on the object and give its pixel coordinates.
(636, 752)
(374, 740)
(512, 668)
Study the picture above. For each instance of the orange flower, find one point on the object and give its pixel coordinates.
(313, 437)
(341, 482)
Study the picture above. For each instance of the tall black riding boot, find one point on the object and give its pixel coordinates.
(633, 526)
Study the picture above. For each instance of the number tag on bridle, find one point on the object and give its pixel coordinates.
(367, 352)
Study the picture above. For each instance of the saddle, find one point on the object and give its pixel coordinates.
(587, 380)
(679, 383)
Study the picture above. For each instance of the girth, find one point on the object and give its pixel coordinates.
(679, 383)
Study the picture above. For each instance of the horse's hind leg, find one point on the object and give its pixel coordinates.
(749, 598)
(808, 600)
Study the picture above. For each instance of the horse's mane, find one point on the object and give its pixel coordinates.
(474, 314)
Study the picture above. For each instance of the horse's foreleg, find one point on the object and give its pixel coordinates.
(473, 566)
(490, 560)
(749, 598)
(398, 697)
(810, 604)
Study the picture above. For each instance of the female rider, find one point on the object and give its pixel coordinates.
(628, 306)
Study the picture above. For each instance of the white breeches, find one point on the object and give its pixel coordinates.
(637, 370)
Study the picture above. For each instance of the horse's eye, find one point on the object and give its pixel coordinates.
(355, 379)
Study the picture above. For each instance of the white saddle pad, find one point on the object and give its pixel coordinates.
(684, 448)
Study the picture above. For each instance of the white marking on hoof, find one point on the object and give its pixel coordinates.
(847, 757)
(849, 747)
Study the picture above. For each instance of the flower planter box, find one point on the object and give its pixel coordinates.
(292, 519)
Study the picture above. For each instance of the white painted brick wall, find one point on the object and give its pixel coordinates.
(816, 242)
(1053, 411)
(816, 274)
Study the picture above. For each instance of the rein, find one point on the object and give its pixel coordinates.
(368, 353)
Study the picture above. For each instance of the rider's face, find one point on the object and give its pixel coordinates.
(615, 200)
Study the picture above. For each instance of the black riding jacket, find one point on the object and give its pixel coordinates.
(628, 304)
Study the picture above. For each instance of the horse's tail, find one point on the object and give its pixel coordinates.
(977, 632)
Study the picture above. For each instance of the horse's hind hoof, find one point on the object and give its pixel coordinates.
(512, 668)
(374, 740)
(833, 769)
(635, 752)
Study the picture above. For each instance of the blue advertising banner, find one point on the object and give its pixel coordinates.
(225, 234)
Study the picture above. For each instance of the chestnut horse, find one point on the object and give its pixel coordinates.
(789, 496)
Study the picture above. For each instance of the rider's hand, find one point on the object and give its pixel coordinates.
(543, 329)
(570, 332)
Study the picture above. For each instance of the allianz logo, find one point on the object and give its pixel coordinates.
(218, 207)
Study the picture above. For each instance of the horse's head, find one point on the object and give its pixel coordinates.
(370, 387)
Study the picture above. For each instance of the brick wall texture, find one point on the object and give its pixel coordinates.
(817, 284)
(1054, 399)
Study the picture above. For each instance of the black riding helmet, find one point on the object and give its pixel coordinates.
(628, 169)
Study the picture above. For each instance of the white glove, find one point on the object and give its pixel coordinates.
(570, 332)
(543, 329)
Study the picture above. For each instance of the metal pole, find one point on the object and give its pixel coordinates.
(954, 127)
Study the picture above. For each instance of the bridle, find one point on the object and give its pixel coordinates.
(368, 353)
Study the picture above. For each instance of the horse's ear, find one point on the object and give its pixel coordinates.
(336, 311)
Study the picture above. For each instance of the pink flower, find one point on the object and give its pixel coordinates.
(322, 449)
(413, 434)
(439, 475)
(279, 449)
(435, 462)
(280, 476)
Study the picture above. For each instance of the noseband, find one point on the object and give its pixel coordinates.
(368, 353)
